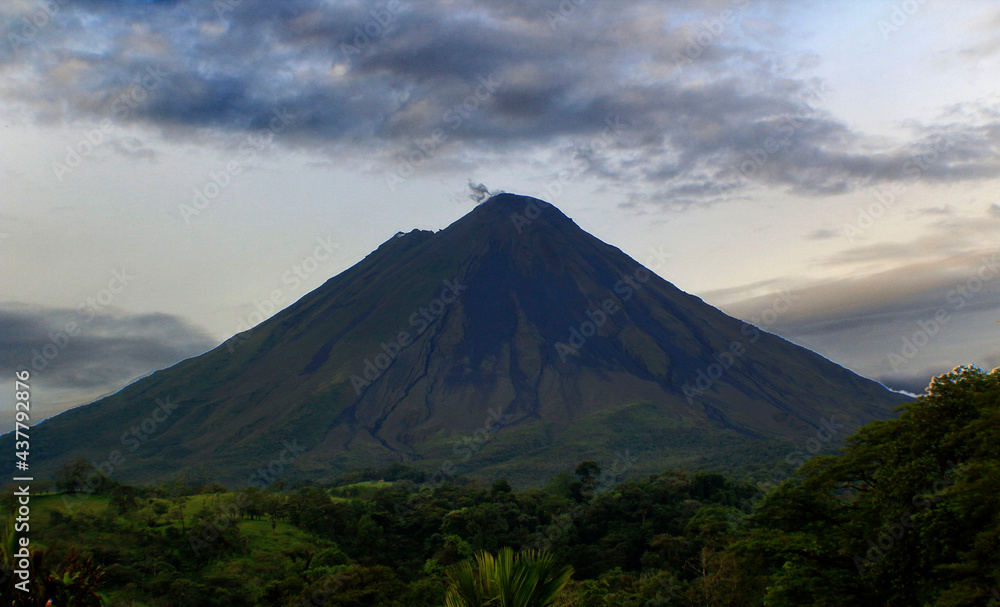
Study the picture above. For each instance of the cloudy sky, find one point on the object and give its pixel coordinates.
(169, 167)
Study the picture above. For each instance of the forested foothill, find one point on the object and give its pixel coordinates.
(907, 513)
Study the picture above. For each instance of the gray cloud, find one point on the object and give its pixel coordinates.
(90, 353)
(948, 210)
(823, 234)
(908, 290)
(942, 288)
(706, 116)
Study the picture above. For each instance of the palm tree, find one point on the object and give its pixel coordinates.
(529, 579)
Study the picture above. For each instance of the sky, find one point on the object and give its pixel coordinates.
(173, 171)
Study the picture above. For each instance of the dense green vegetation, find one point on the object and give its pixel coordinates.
(906, 514)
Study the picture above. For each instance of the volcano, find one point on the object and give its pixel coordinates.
(512, 343)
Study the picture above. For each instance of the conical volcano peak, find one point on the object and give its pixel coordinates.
(511, 313)
(516, 203)
(516, 213)
(511, 201)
